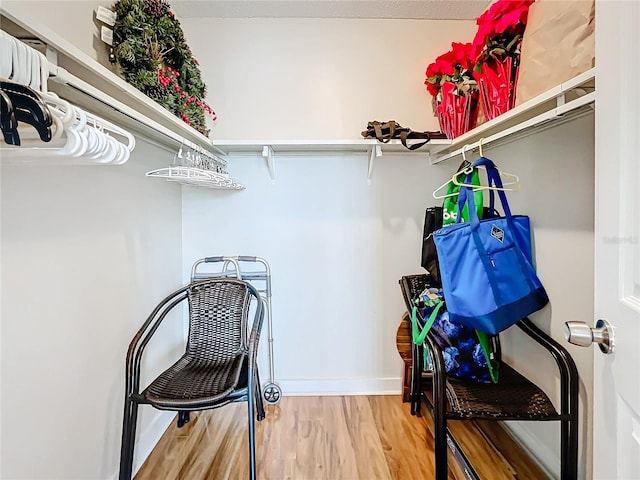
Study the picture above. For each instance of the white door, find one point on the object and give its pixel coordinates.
(616, 404)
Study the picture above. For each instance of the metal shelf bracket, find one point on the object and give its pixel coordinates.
(267, 154)
(376, 151)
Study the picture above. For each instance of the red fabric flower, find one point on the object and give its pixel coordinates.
(456, 63)
(432, 88)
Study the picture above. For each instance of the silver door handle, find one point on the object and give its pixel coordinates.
(581, 334)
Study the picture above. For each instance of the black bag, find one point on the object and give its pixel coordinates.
(429, 261)
(433, 217)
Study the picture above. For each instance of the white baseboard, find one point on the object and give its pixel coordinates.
(547, 459)
(341, 386)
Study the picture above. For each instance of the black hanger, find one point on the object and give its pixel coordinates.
(28, 92)
(29, 108)
(8, 120)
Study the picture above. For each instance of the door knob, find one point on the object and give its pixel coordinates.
(581, 334)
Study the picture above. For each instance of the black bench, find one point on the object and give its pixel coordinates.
(514, 397)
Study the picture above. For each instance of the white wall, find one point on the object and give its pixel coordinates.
(337, 249)
(74, 20)
(338, 246)
(87, 252)
(318, 78)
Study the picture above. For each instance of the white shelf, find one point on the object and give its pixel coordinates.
(561, 103)
(252, 147)
(271, 148)
(90, 85)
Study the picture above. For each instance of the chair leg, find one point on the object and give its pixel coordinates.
(252, 435)
(128, 439)
(258, 394)
(183, 417)
(259, 402)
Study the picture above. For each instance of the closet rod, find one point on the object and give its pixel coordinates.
(563, 112)
(62, 76)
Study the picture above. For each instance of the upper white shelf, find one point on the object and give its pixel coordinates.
(270, 148)
(561, 103)
(248, 147)
(90, 85)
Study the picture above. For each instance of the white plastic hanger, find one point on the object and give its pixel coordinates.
(85, 137)
(446, 184)
(96, 141)
(508, 179)
(511, 182)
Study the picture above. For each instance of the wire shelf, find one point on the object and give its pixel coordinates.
(197, 177)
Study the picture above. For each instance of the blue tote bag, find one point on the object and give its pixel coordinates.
(488, 279)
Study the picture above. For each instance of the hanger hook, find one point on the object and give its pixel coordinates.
(177, 157)
(480, 146)
(464, 148)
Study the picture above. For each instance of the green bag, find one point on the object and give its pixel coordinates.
(461, 346)
(450, 204)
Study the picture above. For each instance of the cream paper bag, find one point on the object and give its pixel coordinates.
(558, 44)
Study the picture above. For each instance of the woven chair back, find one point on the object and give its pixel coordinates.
(218, 315)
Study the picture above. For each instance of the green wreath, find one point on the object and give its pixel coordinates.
(154, 57)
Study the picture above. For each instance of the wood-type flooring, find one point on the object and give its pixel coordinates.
(329, 438)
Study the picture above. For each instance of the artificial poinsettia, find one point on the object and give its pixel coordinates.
(496, 48)
(454, 66)
(455, 92)
(500, 29)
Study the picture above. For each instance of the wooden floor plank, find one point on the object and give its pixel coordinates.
(404, 439)
(504, 444)
(365, 440)
(340, 451)
(327, 438)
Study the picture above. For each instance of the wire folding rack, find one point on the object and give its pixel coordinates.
(193, 165)
(260, 278)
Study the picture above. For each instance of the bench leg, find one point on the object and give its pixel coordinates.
(416, 379)
(569, 449)
(406, 383)
(440, 438)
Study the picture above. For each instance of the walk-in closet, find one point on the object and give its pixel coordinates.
(105, 220)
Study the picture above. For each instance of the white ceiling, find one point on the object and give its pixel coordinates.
(415, 9)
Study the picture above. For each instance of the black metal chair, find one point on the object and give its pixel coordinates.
(514, 397)
(218, 367)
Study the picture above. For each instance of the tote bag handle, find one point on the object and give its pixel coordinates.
(466, 193)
